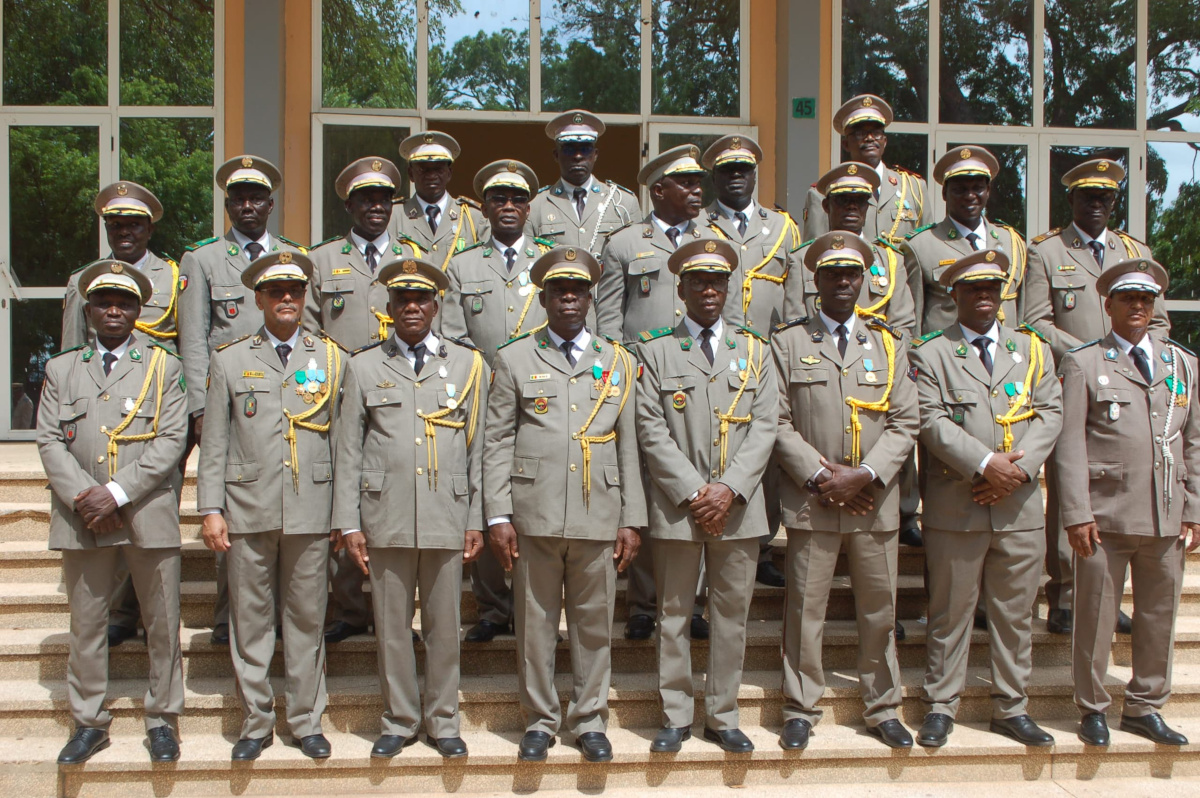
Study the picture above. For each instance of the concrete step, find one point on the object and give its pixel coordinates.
(836, 754)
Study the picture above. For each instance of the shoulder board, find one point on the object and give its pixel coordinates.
(65, 351)
(909, 237)
(168, 260)
(882, 242)
(399, 200)
(1045, 236)
(926, 338)
(613, 341)
(514, 340)
(77, 271)
(362, 349)
(300, 247)
(157, 345)
(228, 344)
(1025, 328)
(204, 243)
(804, 244)
(545, 242)
(621, 187)
(1085, 346)
(544, 189)
(906, 171)
(469, 201)
(752, 331)
(619, 229)
(476, 245)
(327, 241)
(784, 325)
(1005, 225)
(464, 344)
(324, 336)
(879, 325)
(650, 335)
(405, 238)
(1180, 346)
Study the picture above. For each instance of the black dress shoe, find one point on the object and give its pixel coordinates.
(1124, 623)
(731, 740)
(935, 730)
(639, 627)
(900, 633)
(119, 634)
(911, 537)
(534, 746)
(595, 746)
(1059, 622)
(1093, 729)
(250, 748)
(699, 628)
(388, 745)
(669, 741)
(484, 631)
(314, 746)
(82, 745)
(795, 735)
(893, 734)
(769, 575)
(448, 747)
(340, 630)
(1153, 727)
(220, 635)
(1023, 730)
(163, 747)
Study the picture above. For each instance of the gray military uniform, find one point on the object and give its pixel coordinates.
(607, 207)
(158, 311)
(895, 213)
(414, 520)
(884, 290)
(79, 404)
(756, 287)
(462, 225)
(534, 470)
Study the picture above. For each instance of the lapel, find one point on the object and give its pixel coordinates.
(828, 343)
(236, 261)
(1079, 253)
(260, 344)
(552, 356)
(355, 260)
(1161, 369)
(970, 359)
(887, 189)
(434, 360)
(1114, 249)
(564, 204)
(395, 360)
(494, 259)
(1003, 363)
(693, 353)
(419, 225)
(120, 368)
(947, 232)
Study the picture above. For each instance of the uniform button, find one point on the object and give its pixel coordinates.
(374, 336)
(105, 397)
(103, 429)
(287, 463)
(508, 284)
(100, 459)
(716, 411)
(1000, 448)
(383, 400)
(1102, 472)
(1153, 414)
(510, 308)
(1151, 390)
(417, 385)
(808, 379)
(521, 470)
(845, 372)
(995, 393)
(573, 381)
(574, 436)
(744, 247)
(846, 458)
(959, 399)
(717, 442)
(714, 472)
(239, 477)
(572, 466)
(1156, 466)
(372, 308)
(847, 430)
(420, 471)
(678, 312)
(1158, 439)
(582, 230)
(573, 408)
(419, 441)
(435, 247)
(285, 384)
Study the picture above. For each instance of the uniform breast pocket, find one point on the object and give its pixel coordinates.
(1066, 290)
(335, 292)
(537, 395)
(524, 468)
(644, 273)
(228, 300)
(473, 295)
(1113, 400)
(551, 229)
(735, 382)
(161, 299)
(383, 398)
(69, 414)
(241, 472)
(818, 375)
(958, 401)
(871, 379)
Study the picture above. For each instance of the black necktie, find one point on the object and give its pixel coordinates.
(1097, 252)
(741, 222)
(973, 240)
(510, 257)
(1142, 362)
(985, 356)
(843, 338)
(254, 249)
(372, 256)
(706, 344)
(283, 350)
(109, 360)
(580, 195)
(419, 357)
(568, 350)
(432, 213)
(673, 234)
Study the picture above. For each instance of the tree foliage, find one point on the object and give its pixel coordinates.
(591, 56)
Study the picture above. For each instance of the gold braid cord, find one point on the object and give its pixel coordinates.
(585, 441)
(438, 419)
(1132, 249)
(728, 417)
(151, 327)
(891, 234)
(1013, 284)
(1037, 363)
(876, 310)
(450, 250)
(756, 273)
(154, 374)
(333, 369)
(882, 404)
(534, 291)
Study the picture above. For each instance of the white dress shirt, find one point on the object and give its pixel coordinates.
(965, 231)
(381, 244)
(681, 227)
(1146, 345)
(242, 240)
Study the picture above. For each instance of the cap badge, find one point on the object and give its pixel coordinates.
(577, 119)
(376, 166)
(409, 267)
(710, 246)
(867, 102)
(247, 162)
(512, 166)
(851, 169)
(964, 153)
(122, 189)
(569, 254)
(1141, 267)
(117, 268)
(1102, 166)
(285, 257)
(990, 256)
(694, 152)
(838, 242)
(736, 143)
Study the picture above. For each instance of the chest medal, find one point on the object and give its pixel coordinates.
(311, 382)
(250, 408)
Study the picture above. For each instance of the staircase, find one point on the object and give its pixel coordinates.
(35, 723)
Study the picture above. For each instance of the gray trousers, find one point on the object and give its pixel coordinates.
(1059, 556)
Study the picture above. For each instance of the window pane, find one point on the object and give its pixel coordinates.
(56, 52)
(885, 52)
(910, 151)
(985, 64)
(54, 174)
(479, 59)
(346, 143)
(1173, 214)
(369, 53)
(1174, 49)
(1009, 189)
(1063, 160)
(1090, 63)
(174, 159)
(697, 57)
(1185, 328)
(180, 37)
(591, 55)
(35, 330)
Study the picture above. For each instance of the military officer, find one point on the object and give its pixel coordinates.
(897, 206)
(1130, 442)
(440, 223)
(563, 499)
(111, 430)
(345, 301)
(965, 174)
(848, 419)
(991, 411)
(265, 491)
(579, 210)
(637, 292)
(213, 307)
(706, 501)
(490, 300)
(408, 501)
(1061, 302)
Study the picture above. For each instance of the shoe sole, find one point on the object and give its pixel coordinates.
(1026, 743)
(265, 746)
(433, 745)
(95, 751)
(1145, 736)
(1092, 743)
(674, 750)
(879, 736)
(718, 744)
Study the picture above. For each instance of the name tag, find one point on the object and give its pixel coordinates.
(337, 272)
(249, 375)
(643, 254)
(538, 377)
(947, 261)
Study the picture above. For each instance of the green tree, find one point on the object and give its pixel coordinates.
(55, 52)
(885, 52)
(592, 58)
(487, 71)
(697, 57)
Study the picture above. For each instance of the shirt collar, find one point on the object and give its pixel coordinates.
(881, 170)
(729, 212)
(832, 325)
(569, 188)
(242, 240)
(1145, 345)
(141, 262)
(430, 340)
(1084, 237)
(518, 245)
(694, 329)
(441, 204)
(681, 227)
(275, 342)
(581, 341)
(360, 243)
(964, 231)
(119, 351)
(993, 335)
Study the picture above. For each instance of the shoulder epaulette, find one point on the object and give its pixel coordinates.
(168, 350)
(880, 325)
(619, 229)
(1178, 345)
(1004, 224)
(469, 201)
(77, 271)
(752, 331)
(326, 241)
(324, 336)
(204, 243)
(1093, 342)
(167, 259)
(476, 245)
(362, 349)
(920, 230)
(926, 338)
(784, 325)
(1025, 328)
(881, 241)
(906, 171)
(613, 341)
(545, 242)
(544, 189)
(1045, 236)
(290, 242)
(650, 335)
(618, 185)
(461, 342)
(65, 351)
(514, 340)
(228, 344)
(399, 200)
(803, 244)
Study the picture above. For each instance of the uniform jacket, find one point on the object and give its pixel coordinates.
(383, 485)
(959, 406)
(1111, 464)
(677, 426)
(770, 237)
(462, 225)
(245, 460)
(160, 311)
(532, 458)
(900, 206)
(78, 401)
(552, 215)
(815, 421)
(898, 311)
